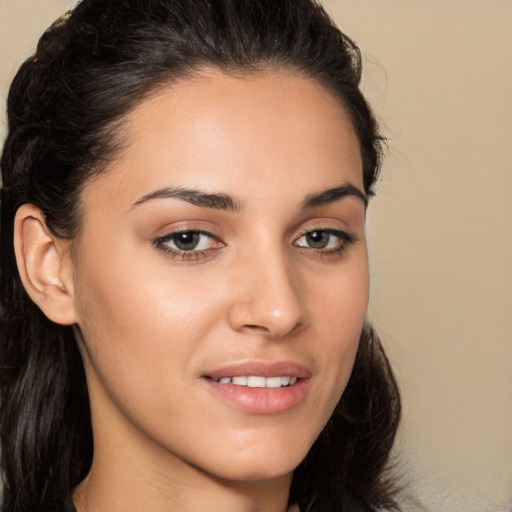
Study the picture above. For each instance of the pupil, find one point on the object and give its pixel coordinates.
(186, 241)
(318, 239)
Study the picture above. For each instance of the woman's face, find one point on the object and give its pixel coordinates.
(224, 249)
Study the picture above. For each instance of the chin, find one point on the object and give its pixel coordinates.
(252, 474)
(260, 464)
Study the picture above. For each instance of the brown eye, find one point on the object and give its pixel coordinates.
(318, 239)
(186, 241)
(325, 239)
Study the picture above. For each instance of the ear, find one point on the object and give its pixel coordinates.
(45, 265)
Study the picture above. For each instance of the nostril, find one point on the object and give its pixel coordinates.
(271, 331)
(256, 328)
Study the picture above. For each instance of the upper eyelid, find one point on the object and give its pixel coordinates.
(332, 225)
(168, 231)
(323, 226)
(170, 234)
(333, 231)
(186, 230)
(297, 234)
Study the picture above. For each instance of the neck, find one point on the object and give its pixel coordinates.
(145, 491)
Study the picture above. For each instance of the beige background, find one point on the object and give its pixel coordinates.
(439, 73)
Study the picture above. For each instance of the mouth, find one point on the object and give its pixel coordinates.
(258, 381)
(260, 387)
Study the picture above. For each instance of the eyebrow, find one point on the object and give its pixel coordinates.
(333, 194)
(229, 203)
(195, 197)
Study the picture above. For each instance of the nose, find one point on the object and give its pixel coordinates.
(269, 301)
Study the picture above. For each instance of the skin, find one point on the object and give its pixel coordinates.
(151, 323)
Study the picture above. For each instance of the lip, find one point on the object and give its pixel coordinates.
(265, 369)
(260, 400)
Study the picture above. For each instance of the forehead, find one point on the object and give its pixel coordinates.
(216, 131)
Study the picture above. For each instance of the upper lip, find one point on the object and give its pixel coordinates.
(261, 368)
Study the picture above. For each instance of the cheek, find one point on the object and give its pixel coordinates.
(338, 300)
(139, 325)
(340, 315)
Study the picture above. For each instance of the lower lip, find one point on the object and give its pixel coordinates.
(260, 400)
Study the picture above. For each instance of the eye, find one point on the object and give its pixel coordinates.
(189, 241)
(328, 240)
(187, 244)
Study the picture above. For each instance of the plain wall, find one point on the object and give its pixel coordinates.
(439, 74)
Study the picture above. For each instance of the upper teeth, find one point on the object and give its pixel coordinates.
(256, 381)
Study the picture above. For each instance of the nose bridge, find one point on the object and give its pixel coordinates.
(270, 299)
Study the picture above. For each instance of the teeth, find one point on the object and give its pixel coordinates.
(273, 382)
(257, 381)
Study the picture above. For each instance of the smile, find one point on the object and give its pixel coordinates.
(257, 381)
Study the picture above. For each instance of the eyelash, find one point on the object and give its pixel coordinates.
(345, 240)
(162, 243)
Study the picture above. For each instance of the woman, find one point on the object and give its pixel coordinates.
(184, 266)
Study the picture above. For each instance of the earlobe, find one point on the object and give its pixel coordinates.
(45, 265)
